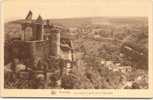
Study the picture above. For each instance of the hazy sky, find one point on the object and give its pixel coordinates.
(18, 9)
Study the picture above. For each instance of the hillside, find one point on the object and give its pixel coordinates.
(120, 41)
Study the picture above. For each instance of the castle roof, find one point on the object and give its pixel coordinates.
(39, 20)
(29, 16)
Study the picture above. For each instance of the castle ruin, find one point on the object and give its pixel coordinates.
(41, 40)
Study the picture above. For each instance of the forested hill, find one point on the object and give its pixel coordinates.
(121, 41)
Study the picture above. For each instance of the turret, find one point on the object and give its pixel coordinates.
(38, 29)
(29, 16)
(55, 42)
(26, 25)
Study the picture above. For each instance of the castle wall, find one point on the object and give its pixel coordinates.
(41, 48)
(28, 35)
(29, 51)
(37, 31)
(22, 50)
(55, 44)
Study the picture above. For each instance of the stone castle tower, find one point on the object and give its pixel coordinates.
(38, 29)
(39, 33)
(41, 42)
(44, 40)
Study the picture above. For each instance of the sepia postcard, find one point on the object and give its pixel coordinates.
(76, 48)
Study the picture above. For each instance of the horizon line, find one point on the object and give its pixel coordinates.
(60, 18)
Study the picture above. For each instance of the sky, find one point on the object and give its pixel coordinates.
(18, 9)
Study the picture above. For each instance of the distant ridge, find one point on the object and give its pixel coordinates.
(76, 22)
